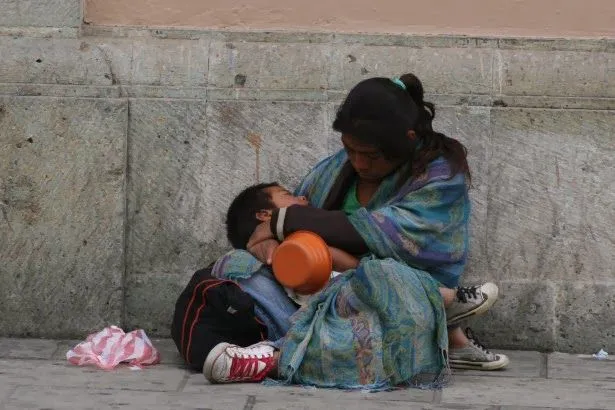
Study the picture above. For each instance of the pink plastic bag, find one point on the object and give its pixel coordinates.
(111, 346)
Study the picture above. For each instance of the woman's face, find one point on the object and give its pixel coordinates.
(367, 160)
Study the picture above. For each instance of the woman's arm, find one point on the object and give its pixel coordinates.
(333, 226)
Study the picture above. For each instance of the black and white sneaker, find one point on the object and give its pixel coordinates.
(475, 356)
(470, 301)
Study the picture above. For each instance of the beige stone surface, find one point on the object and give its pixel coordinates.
(531, 392)
(556, 18)
(580, 367)
(551, 191)
(62, 178)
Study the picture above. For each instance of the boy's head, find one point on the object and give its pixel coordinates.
(253, 206)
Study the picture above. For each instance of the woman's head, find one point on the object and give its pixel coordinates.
(386, 123)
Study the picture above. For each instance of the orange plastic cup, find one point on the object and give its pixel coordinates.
(303, 262)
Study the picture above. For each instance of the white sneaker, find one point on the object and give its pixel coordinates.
(227, 363)
(473, 300)
(475, 356)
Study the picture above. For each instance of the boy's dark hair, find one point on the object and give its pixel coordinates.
(241, 218)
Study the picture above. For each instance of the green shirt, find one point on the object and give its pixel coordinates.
(351, 203)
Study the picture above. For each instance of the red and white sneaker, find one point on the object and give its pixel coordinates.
(227, 363)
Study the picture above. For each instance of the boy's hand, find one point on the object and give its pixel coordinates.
(261, 233)
(263, 251)
(262, 243)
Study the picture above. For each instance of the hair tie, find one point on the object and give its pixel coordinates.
(399, 83)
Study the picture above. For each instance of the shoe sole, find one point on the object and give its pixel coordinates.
(477, 311)
(485, 366)
(213, 355)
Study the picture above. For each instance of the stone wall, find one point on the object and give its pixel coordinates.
(120, 149)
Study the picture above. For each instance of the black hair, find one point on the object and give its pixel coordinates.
(241, 218)
(379, 112)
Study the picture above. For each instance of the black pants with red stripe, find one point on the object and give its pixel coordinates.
(210, 311)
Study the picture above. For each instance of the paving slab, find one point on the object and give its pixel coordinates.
(27, 348)
(522, 364)
(53, 398)
(62, 374)
(197, 384)
(528, 392)
(168, 352)
(5, 391)
(63, 347)
(261, 403)
(580, 367)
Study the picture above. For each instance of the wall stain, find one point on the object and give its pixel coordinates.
(256, 141)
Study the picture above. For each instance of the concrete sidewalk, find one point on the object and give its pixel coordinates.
(34, 374)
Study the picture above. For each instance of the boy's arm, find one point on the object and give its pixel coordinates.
(342, 261)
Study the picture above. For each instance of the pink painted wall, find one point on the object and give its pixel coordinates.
(535, 18)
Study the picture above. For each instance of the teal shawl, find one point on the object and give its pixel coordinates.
(383, 324)
(423, 223)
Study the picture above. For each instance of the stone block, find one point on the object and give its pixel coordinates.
(471, 126)
(170, 62)
(10, 13)
(554, 73)
(269, 66)
(523, 318)
(53, 61)
(62, 174)
(585, 317)
(41, 13)
(151, 296)
(167, 177)
(334, 137)
(101, 61)
(169, 231)
(530, 393)
(261, 142)
(442, 70)
(551, 195)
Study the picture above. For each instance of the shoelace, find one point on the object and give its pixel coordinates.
(474, 340)
(464, 292)
(244, 353)
(246, 367)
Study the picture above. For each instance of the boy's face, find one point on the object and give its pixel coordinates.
(281, 198)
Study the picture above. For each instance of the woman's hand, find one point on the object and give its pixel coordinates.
(262, 243)
(342, 261)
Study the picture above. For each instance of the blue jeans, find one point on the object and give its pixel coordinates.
(273, 306)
